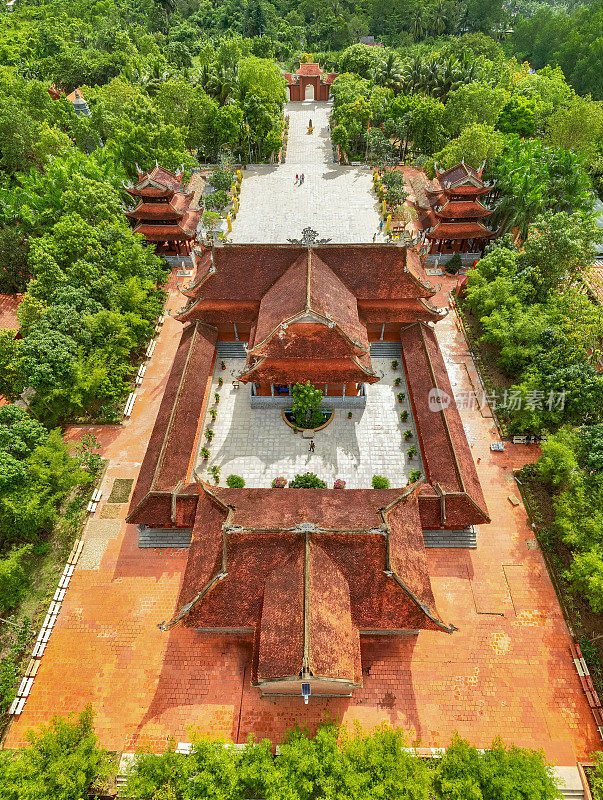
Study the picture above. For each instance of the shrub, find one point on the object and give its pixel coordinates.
(235, 482)
(213, 413)
(217, 201)
(204, 452)
(408, 435)
(279, 483)
(379, 482)
(209, 434)
(411, 452)
(395, 364)
(222, 179)
(401, 397)
(217, 397)
(415, 475)
(392, 177)
(397, 381)
(309, 480)
(13, 576)
(339, 484)
(455, 263)
(404, 415)
(215, 473)
(222, 364)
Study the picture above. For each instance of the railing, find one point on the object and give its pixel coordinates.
(439, 259)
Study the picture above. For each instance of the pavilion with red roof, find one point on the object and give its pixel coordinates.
(456, 220)
(166, 211)
(309, 82)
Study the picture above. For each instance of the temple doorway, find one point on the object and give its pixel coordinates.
(309, 94)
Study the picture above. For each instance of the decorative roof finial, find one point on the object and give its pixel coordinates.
(309, 238)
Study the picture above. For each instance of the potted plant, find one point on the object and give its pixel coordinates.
(217, 397)
(279, 483)
(349, 415)
(220, 381)
(223, 364)
(215, 473)
(411, 452)
(408, 435)
(395, 364)
(379, 482)
(415, 474)
(401, 397)
(213, 413)
(339, 484)
(404, 415)
(209, 434)
(397, 381)
(205, 453)
(235, 482)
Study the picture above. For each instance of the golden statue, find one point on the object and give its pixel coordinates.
(310, 128)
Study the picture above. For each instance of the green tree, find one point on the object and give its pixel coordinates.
(476, 144)
(306, 400)
(63, 761)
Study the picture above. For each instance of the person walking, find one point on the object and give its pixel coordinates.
(312, 446)
(302, 178)
(296, 179)
(374, 238)
(381, 227)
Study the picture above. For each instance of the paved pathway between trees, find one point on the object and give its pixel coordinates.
(336, 201)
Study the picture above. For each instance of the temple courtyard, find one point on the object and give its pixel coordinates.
(258, 445)
(336, 201)
(507, 670)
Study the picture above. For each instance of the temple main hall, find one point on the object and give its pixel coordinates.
(306, 574)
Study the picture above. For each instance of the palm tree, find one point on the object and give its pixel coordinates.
(388, 73)
(418, 24)
(412, 75)
(222, 83)
(439, 17)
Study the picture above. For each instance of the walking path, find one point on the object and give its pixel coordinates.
(336, 201)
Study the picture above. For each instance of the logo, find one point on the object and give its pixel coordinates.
(438, 400)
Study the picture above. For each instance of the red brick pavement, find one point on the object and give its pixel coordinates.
(506, 671)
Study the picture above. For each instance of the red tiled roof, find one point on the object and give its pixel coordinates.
(463, 209)
(309, 315)
(306, 590)
(8, 311)
(163, 233)
(309, 69)
(246, 273)
(460, 230)
(330, 77)
(459, 173)
(153, 211)
(163, 177)
(170, 447)
(447, 459)
(150, 191)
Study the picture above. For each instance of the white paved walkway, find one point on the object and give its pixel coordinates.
(257, 445)
(336, 201)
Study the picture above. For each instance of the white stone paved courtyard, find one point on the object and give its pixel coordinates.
(257, 444)
(336, 201)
